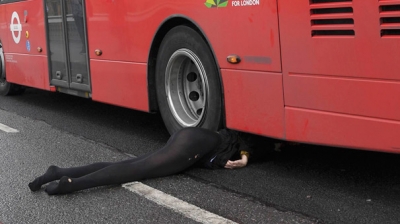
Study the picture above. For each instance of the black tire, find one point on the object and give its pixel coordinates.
(187, 82)
(7, 88)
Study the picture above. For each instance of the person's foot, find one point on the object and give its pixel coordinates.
(50, 175)
(64, 186)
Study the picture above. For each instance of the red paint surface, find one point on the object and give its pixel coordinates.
(25, 67)
(34, 73)
(342, 130)
(254, 102)
(341, 74)
(364, 97)
(34, 25)
(114, 83)
(124, 30)
(341, 90)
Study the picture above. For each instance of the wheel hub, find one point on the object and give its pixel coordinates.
(186, 87)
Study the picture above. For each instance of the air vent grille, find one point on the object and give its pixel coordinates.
(389, 18)
(331, 18)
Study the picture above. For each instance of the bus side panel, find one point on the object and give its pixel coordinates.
(366, 97)
(115, 83)
(33, 73)
(318, 127)
(341, 68)
(4, 33)
(349, 68)
(25, 64)
(124, 30)
(32, 35)
(254, 102)
(249, 31)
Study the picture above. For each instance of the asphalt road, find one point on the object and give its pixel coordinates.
(300, 184)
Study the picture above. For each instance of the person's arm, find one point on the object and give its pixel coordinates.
(238, 163)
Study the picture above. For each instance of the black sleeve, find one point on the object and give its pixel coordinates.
(228, 149)
(259, 147)
(246, 143)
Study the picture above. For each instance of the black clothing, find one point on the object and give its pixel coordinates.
(231, 145)
(182, 150)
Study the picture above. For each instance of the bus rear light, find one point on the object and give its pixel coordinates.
(39, 49)
(233, 59)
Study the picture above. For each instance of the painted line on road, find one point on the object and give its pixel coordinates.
(175, 204)
(7, 129)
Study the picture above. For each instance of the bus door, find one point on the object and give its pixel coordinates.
(67, 42)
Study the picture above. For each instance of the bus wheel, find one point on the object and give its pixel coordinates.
(7, 88)
(187, 82)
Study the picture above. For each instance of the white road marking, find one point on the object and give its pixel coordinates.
(7, 129)
(177, 205)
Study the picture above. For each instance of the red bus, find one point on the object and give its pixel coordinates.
(315, 71)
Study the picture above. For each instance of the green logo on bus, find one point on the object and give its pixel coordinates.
(216, 3)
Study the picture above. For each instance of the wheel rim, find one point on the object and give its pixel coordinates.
(186, 88)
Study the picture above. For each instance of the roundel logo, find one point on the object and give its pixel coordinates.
(16, 27)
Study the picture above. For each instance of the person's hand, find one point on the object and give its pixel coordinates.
(237, 163)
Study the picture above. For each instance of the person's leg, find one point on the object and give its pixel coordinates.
(55, 172)
(184, 148)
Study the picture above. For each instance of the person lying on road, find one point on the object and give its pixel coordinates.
(185, 148)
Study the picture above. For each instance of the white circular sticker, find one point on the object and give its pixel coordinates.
(16, 28)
